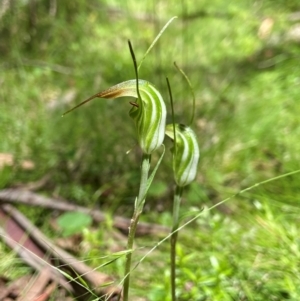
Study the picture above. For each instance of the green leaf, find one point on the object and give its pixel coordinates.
(73, 222)
(150, 179)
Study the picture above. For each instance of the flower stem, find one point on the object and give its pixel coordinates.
(173, 239)
(138, 209)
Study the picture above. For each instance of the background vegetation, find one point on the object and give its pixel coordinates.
(242, 58)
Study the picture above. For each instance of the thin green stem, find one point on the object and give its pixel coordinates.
(138, 209)
(173, 238)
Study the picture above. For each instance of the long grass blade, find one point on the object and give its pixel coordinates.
(212, 207)
(155, 40)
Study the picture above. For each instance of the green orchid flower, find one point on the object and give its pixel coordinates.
(148, 112)
(186, 153)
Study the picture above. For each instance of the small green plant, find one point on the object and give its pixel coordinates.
(149, 115)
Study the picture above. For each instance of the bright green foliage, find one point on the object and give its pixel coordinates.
(223, 262)
(186, 153)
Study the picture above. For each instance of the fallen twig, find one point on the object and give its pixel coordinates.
(34, 199)
(39, 252)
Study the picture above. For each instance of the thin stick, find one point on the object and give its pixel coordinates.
(20, 196)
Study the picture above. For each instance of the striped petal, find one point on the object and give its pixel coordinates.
(186, 154)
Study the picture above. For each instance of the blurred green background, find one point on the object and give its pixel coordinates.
(242, 58)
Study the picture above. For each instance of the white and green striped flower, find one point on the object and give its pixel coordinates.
(149, 117)
(186, 153)
(149, 112)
